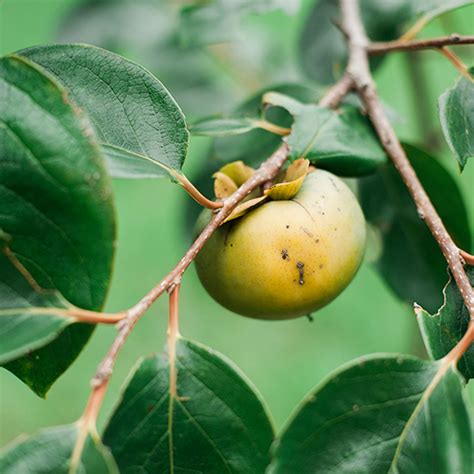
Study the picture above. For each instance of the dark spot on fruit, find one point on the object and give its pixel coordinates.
(284, 254)
(300, 267)
(339, 209)
(231, 245)
(287, 226)
(321, 265)
(335, 228)
(317, 241)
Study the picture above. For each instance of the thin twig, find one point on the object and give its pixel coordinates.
(358, 69)
(457, 63)
(416, 45)
(467, 257)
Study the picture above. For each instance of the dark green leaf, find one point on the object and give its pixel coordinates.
(456, 114)
(50, 451)
(443, 330)
(409, 249)
(380, 414)
(218, 21)
(134, 116)
(57, 217)
(257, 145)
(215, 424)
(221, 127)
(340, 141)
(322, 46)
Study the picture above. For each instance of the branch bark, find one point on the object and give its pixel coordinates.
(358, 69)
(416, 45)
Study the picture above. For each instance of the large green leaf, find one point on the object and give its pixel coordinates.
(322, 47)
(443, 330)
(342, 141)
(137, 121)
(215, 424)
(409, 249)
(456, 114)
(56, 218)
(50, 451)
(380, 414)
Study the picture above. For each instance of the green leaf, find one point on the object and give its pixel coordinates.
(380, 414)
(443, 330)
(26, 324)
(340, 141)
(218, 21)
(221, 127)
(50, 451)
(409, 249)
(322, 46)
(215, 424)
(456, 114)
(257, 145)
(134, 116)
(57, 217)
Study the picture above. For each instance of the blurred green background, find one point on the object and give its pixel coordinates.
(283, 359)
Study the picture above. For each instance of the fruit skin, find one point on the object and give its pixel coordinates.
(286, 259)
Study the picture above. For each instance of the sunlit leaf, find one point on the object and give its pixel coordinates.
(56, 220)
(215, 423)
(134, 116)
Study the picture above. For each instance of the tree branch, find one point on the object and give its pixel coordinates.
(358, 69)
(416, 45)
(267, 171)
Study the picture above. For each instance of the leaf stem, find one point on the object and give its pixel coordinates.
(415, 45)
(457, 63)
(416, 28)
(173, 334)
(273, 128)
(358, 69)
(79, 314)
(195, 193)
